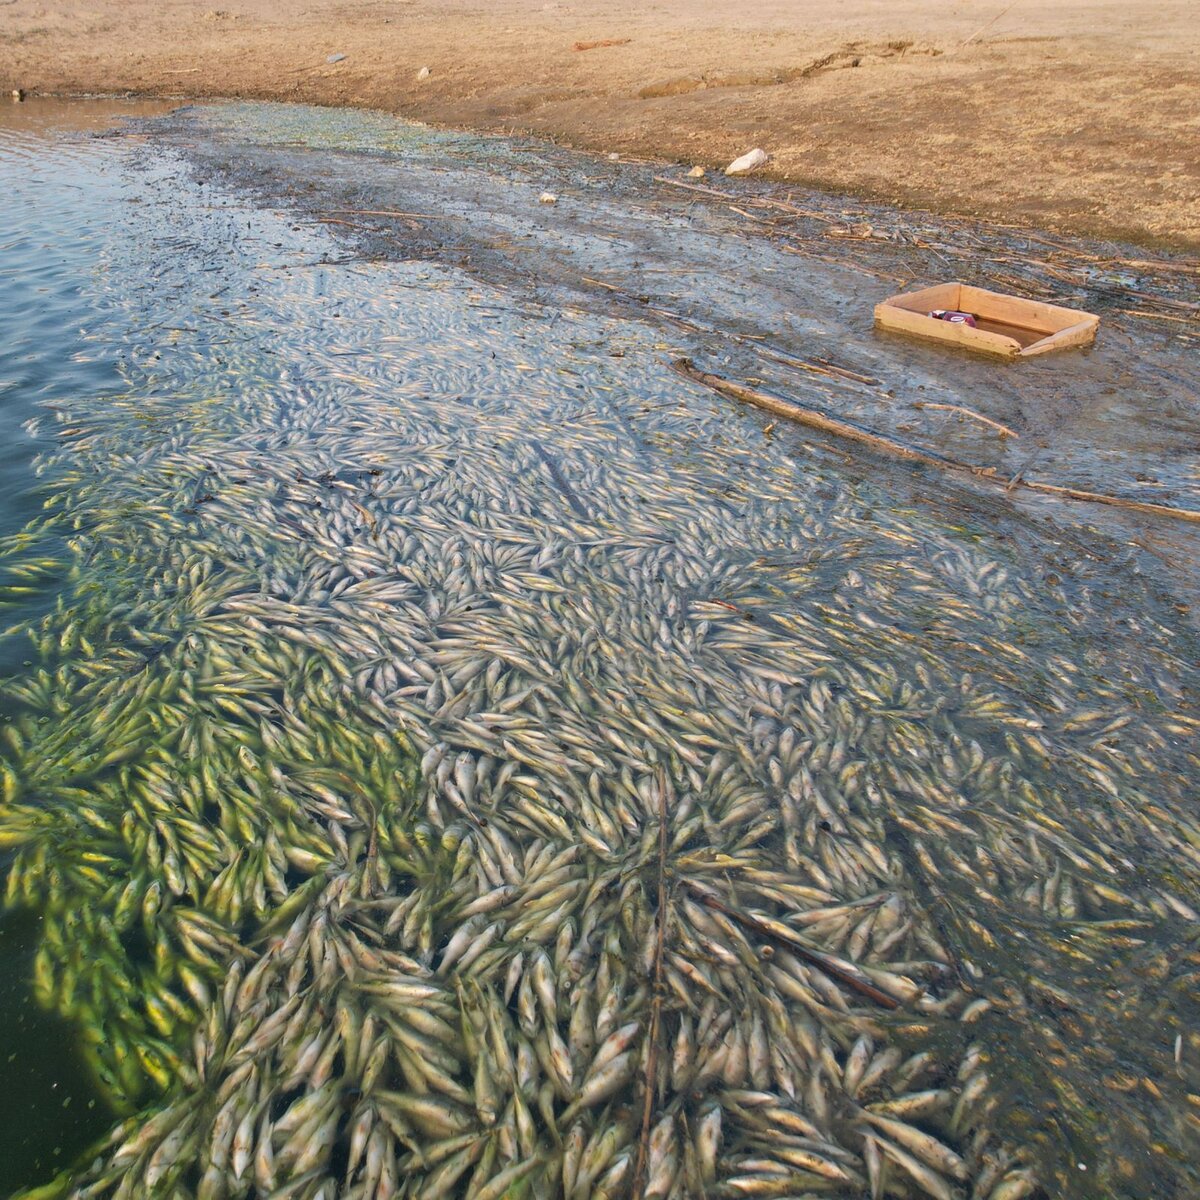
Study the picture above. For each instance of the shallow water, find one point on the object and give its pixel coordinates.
(349, 564)
(64, 200)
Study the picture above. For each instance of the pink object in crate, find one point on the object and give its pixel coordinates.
(955, 318)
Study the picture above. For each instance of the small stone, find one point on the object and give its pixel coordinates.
(696, 173)
(423, 73)
(547, 198)
(18, 94)
(335, 58)
(614, 158)
(749, 161)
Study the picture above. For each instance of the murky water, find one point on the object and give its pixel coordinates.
(63, 204)
(407, 660)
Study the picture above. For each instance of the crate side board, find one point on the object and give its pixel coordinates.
(919, 323)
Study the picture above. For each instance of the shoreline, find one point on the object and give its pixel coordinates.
(1077, 121)
(1186, 250)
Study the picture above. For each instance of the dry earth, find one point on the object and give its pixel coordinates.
(1082, 115)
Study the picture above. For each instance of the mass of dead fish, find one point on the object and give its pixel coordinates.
(458, 765)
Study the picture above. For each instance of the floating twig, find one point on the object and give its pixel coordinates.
(968, 412)
(1186, 305)
(844, 264)
(1020, 474)
(1139, 312)
(694, 187)
(382, 212)
(741, 212)
(845, 373)
(844, 972)
(1188, 268)
(348, 224)
(820, 367)
(600, 283)
(885, 445)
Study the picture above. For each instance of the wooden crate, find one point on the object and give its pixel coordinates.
(1006, 326)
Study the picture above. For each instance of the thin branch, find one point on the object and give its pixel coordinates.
(384, 212)
(695, 187)
(968, 412)
(884, 445)
(845, 973)
(986, 26)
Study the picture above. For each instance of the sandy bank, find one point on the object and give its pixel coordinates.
(1079, 115)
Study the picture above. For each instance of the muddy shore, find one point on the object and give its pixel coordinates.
(1076, 117)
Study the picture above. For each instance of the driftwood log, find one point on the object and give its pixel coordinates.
(815, 419)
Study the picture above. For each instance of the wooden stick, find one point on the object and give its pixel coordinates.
(694, 187)
(1137, 312)
(844, 263)
(1029, 236)
(799, 365)
(348, 224)
(805, 416)
(1186, 305)
(381, 212)
(1188, 268)
(601, 44)
(983, 28)
(1020, 472)
(967, 412)
(600, 283)
(793, 210)
(1162, 510)
(845, 374)
(741, 212)
(817, 368)
(844, 972)
(885, 445)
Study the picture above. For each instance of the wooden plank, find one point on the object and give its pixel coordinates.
(1019, 334)
(1081, 334)
(904, 321)
(1015, 310)
(942, 295)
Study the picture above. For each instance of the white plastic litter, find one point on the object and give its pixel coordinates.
(748, 162)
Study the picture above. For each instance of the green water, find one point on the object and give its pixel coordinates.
(64, 194)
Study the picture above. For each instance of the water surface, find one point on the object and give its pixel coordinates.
(382, 610)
